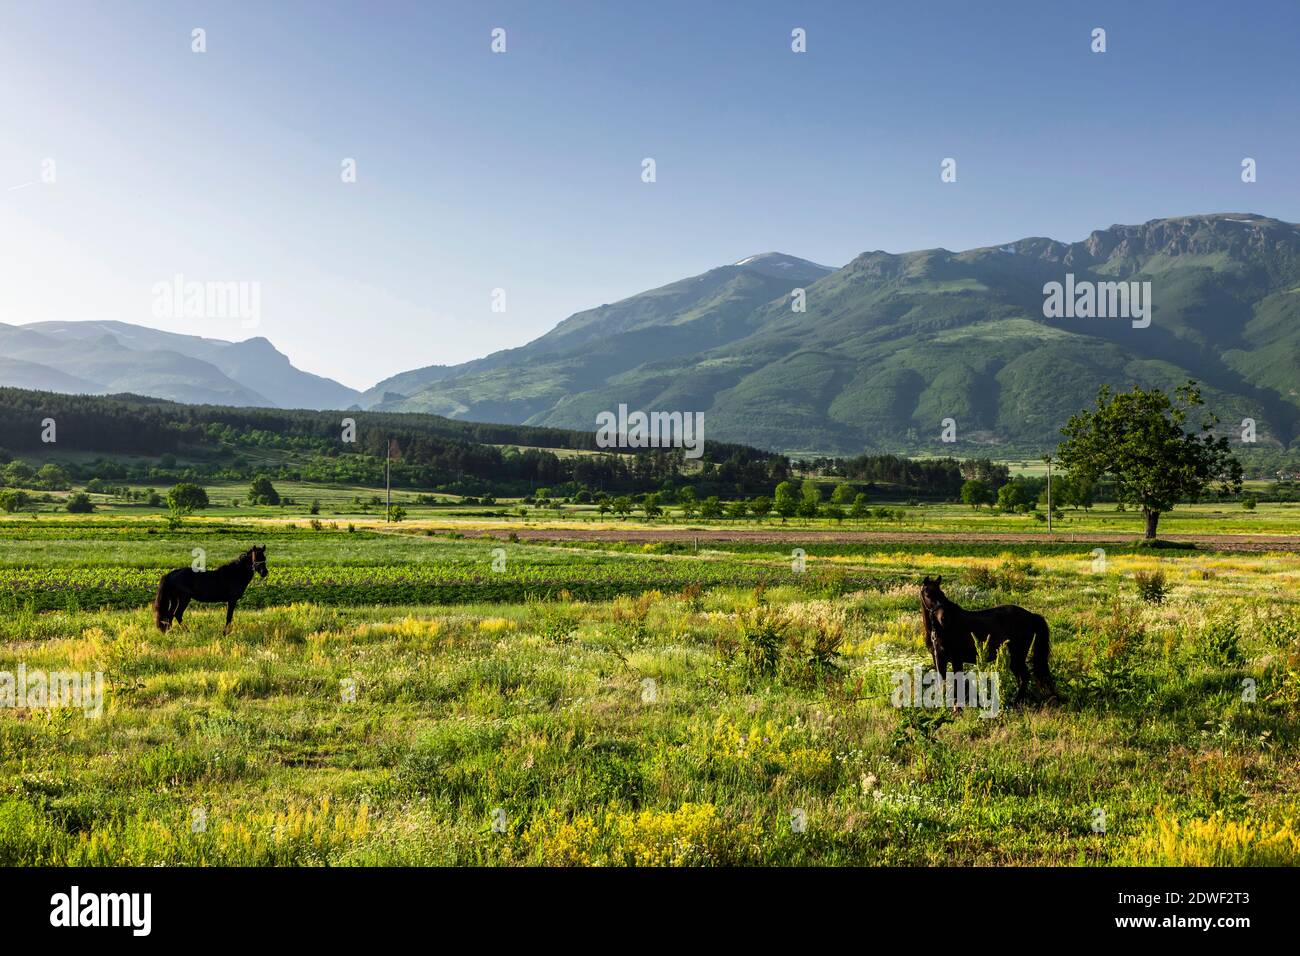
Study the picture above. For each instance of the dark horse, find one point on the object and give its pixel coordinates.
(226, 585)
(951, 634)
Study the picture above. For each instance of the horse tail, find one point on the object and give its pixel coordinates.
(1042, 644)
(162, 606)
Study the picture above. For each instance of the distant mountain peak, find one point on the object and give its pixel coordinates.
(780, 264)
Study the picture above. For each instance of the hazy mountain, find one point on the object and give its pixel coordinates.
(111, 357)
(890, 344)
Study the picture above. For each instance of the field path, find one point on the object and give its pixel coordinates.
(1216, 542)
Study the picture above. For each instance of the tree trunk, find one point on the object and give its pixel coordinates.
(1153, 517)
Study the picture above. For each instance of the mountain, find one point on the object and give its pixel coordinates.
(582, 352)
(892, 344)
(115, 357)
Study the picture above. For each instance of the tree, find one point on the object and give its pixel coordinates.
(650, 505)
(622, 506)
(1082, 492)
(843, 494)
(975, 493)
(811, 492)
(53, 478)
(1138, 438)
(11, 501)
(737, 509)
(787, 499)
(861, 509)
(262, 492)
(80, 503)
(711, 507)
(761, 507)
(18, 473)
(1011, 497)
(186, 497)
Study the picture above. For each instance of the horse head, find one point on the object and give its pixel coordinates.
(257, 555)
(931, 593)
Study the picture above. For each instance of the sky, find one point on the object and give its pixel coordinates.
(522, 170)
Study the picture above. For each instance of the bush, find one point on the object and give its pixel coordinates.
(262, 492)
(80, 503)
(1152, 586)
(763, 632)
(1012, 574)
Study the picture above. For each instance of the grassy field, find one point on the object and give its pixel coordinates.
(388, 696)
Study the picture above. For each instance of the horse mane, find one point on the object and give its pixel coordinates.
(944, 599)
(235, 563)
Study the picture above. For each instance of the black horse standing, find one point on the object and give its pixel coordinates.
(952, 633)
(226, 585)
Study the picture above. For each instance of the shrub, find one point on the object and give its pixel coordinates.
(762, 632)
(80, 503)
(1013, 574)
(1152, 586)
(262, 492)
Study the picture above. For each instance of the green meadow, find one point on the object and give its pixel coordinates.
(388, 696)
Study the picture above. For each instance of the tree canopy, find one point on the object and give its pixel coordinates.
(1140, 439)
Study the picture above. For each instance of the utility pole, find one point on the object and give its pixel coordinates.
(1048, 459)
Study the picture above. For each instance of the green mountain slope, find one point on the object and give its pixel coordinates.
(582, 352)
(890, 345)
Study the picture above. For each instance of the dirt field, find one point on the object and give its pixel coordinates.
(1216, 542)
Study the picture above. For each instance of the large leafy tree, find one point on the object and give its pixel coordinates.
(1141, 440)
(187, 496)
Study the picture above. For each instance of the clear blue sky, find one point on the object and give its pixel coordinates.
(522, 170)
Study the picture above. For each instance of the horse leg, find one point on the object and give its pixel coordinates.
(181, 604)
(230, 615)
(958, 681)
(1021, 671)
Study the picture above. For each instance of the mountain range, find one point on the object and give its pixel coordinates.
(884, 350)
(890, 345)
(104, 358)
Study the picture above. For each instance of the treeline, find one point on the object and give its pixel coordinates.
(211, 442)
(939, 478)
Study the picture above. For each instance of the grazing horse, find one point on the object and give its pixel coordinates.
(226, 585)
(952, 632)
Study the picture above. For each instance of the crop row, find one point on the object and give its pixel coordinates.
(449, 583)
